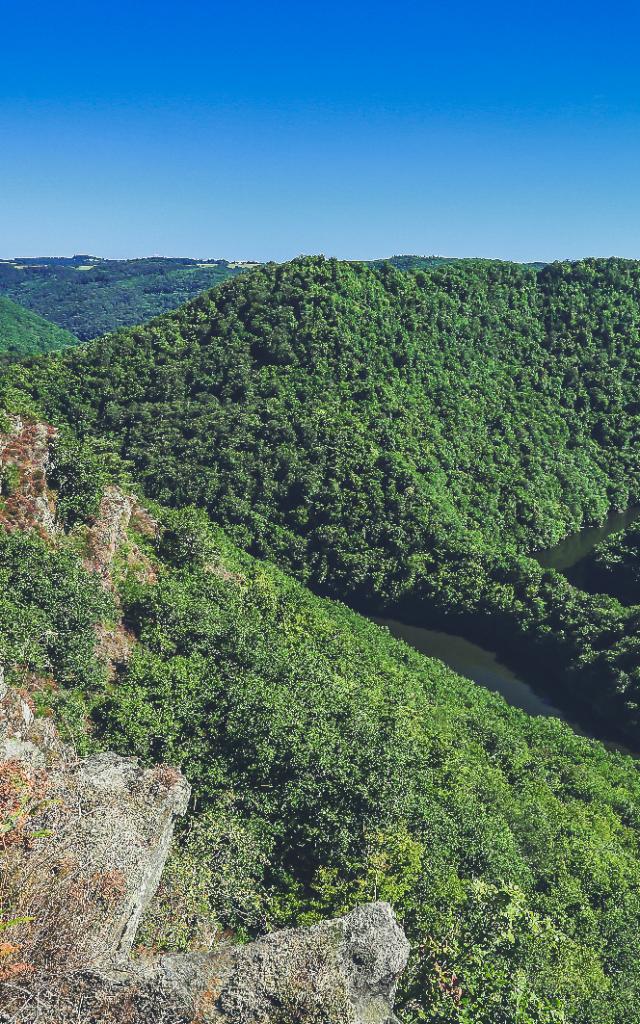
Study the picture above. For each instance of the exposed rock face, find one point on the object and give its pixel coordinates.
(114, 823)
(24, 454)
(109, 533)
(339, 972)
(344, 970)
(124, 832)
(109, 838)
(106, 538)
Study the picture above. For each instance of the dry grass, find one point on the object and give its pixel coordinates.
(50, 908)
(29, 506)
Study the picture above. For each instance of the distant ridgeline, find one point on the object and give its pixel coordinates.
(396, 438)
(89, 296)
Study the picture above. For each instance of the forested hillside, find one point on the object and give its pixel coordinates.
(330, 763)
(615, 565)
(89, 296)
(23, 333)
(397, 437)
(427, 262)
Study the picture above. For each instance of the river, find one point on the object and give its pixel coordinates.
(571, 551)
(470, 659)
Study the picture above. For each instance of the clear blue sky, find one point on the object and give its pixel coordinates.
(266, 130)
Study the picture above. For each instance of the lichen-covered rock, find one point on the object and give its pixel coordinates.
(109, 822)
(125, 826)
(338, 972)
(86, 878)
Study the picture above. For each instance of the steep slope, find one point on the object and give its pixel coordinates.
(397, 437)
(614, 565)
(23, 333)
(84, 844)
(465, 396)
(89, 296)
(330, 764)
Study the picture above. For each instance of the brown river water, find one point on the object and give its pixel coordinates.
(483, 665)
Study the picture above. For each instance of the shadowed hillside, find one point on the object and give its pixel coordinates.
(23, 333)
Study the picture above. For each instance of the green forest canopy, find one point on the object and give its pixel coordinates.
(24, 333)
(614, 564)
(334, 765)
(90, 296)
(392, 437)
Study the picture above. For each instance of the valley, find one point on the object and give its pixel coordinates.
(571, 557)
(319, 514)
(398, 437)
(192, 510)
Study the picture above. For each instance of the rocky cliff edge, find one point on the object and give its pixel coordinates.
(83, 842)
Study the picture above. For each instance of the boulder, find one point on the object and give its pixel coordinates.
(109, 824)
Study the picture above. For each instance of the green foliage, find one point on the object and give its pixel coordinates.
(79, 473)
(216, 874)
(614, 564)
(332, 765)
(384, 436)
(49, 610)
(23, 333)
(9, 480)
(397, 437)
(90, 297)
(428, 262)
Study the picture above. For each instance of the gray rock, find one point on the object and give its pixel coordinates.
(114, 823)
(339, 972)
(113, 830)
(124, 831)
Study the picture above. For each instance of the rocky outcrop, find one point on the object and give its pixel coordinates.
(108, 535)
(94, 832)
(106, 538)
(339, 972)
(24, 462)
(108, 820)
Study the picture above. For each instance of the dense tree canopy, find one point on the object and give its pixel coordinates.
(90, 296)
(395, 436)
(614, 565)
(23, 333)
(331, 765)
(392, 438)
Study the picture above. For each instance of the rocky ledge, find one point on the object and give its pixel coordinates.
(82, 845)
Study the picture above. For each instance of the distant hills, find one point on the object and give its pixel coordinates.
(90, 296)
(25, 333)
(429, 262)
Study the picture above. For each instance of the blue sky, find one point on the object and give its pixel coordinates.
(266, 130)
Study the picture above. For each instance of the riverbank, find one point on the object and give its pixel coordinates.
(525, 674)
